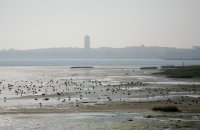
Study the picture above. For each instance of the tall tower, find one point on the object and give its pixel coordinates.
(87, 42)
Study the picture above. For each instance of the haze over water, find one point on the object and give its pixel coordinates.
(99, 64)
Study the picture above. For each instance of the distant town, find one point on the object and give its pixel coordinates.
(135, 52)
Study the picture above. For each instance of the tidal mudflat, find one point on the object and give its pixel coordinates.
(99, 98)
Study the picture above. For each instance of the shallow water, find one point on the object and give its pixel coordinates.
(96, 62)
(96, 85)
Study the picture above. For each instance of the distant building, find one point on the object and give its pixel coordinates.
(87, 42)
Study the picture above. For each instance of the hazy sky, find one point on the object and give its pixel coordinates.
(26, 24)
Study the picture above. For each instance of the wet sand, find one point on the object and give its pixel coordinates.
(33, 92)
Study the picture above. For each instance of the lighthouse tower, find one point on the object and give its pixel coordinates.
(87, 42)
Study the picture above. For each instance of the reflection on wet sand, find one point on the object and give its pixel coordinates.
(122, 91)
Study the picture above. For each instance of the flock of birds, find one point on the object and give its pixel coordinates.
(66, 89)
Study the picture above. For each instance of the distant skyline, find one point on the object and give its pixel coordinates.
(30, 24)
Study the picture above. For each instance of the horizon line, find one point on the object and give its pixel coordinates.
(7, 49)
